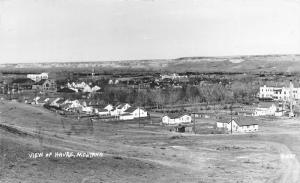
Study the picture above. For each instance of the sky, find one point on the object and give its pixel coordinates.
(106, 30)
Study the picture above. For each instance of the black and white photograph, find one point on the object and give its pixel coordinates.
(149, 91)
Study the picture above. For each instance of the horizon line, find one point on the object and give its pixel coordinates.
(185, 57)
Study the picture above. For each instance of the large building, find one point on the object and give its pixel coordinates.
(38, 77)
(279, 93)
(45, 85)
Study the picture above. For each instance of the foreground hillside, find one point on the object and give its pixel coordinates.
(133, 154)
(258, 63)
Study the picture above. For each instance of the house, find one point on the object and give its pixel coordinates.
(53, 102)
(87, 109)
(41, 100)
(38, 77)
(45, 85)
(101, 112)
(243, 124)
(109, 107)
(265, 109)
(175, 119)
(96, 88)
(132, 113)
(119, 109)
(87, 89)
(111, 82)
(71, 105)
(94, 103)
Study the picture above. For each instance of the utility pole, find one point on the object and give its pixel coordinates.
(139, 117)
(231, 117)
(139, 106)
(194, 123)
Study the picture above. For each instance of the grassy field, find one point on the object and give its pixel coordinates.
(145, 154)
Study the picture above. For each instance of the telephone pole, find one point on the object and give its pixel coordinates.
(194, 123)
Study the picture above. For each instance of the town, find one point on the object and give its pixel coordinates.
(177, 101)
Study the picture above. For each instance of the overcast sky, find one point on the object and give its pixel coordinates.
(90, 30)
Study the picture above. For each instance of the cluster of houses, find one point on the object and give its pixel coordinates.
(173, 76)
(83, 87)
(263, 109)
(121, 111)
(183, 123)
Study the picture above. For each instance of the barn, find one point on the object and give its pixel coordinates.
(244, 124)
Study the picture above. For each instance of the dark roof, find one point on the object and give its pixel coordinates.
(241, 121)
(66, 90)
(175, 115)
(121, 105)
(51, 100)
(60, 101)
(42, 99)
(130, 109)
(41, 82)
(102, 110)
(23, 80)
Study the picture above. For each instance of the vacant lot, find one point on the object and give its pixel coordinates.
(146, 154)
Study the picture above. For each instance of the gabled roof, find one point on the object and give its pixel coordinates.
(42, 99)
(102, 110)
(60, 101)
(51, 100)
(241, 121)
(66, 90)
(131, 109)
(120, 106)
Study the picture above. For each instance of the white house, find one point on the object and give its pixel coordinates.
(41, 100)
(71, 105)
(175, 119)
(119, 109)
(101, 112)
(265, 109)
(132, 113)
(54, 102)
(95, 88)
(87, 89)
(172, 76)
(245, 124)
(38, 77)
(87, 109)
(111, 82)
(109, 107)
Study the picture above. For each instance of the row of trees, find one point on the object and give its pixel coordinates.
(214, 93)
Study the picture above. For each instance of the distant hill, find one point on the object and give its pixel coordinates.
(253, 63)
